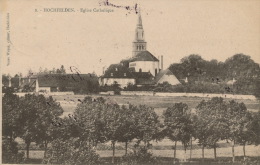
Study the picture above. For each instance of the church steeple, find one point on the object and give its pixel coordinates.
(139, 23)
(139, 43)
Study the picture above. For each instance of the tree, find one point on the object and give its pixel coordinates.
(127, 129)
(11, 114)
(116, 88)
(238, 120)
(40, 70)
(201, 132)
(147, 124)
(62, 70)
(177, 120)
(30, 73)
(10, 152)
(99, 121)
(257, 89)
(37, 114)
(246, 134)
(255, 128)
(240, 65)
(90, 120)
(113, 118)
(214, 114)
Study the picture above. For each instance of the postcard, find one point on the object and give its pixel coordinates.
(130, 81)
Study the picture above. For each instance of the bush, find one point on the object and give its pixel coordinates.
(142, 156)
(83, 156)
(10, 152)
(69, 152)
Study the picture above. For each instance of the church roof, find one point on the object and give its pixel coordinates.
(144, 56)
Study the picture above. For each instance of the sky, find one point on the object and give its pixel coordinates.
(213, 29)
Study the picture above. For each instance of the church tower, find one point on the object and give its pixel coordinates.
(139, 44)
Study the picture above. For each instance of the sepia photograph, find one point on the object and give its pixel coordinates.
(130, 82)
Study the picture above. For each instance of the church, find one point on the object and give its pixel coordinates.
(143, 68)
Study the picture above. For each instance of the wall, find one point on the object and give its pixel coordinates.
(107, 93)
(146, 66)
(45, 89)
(20, 94)
(138, 93)
(57, 93)
(206, 95)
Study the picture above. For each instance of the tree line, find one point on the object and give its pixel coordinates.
(215, 74)
(72, 139)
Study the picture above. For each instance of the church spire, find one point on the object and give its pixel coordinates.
(139, 43)
(139, 23)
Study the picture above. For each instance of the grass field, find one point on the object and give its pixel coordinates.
(69, 102)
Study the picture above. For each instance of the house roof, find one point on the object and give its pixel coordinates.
(117, 71)
(171, 80)
(55, 80)
(144, 56)
(120, 71)
(27, 81)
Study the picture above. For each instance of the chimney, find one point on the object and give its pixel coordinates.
(103, 70)
(161, 62)
(36, 85)
(19, 81)
(10, 84)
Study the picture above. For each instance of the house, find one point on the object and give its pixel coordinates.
(119, 74)
(166, 76)
(55, 82)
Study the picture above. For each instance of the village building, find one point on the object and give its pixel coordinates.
(51, 82)
(142, 69)
(166, 76)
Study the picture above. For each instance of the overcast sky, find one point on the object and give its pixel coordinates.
(214, 29)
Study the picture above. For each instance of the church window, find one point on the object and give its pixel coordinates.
(155, 71)
(140, 70)
(116, 69)
(142, 47)
(125, 74)
(111, 74)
